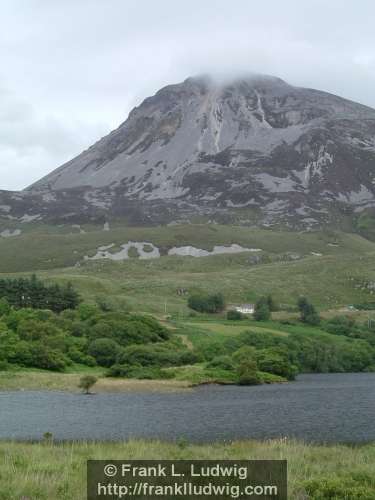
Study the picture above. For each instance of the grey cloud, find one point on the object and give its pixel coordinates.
(72, 70)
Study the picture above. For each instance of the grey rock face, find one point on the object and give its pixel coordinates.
(200, 147)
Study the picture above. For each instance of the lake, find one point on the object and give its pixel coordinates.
(316, 408)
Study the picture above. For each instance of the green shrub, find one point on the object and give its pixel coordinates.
(274, 360)
(81, 358)
(234, 315)
(247, 373)
(308, 313)
(49, 359)
(21, 354)
(139, 372)
(365, 306)
(127, 329)
(262, 310)
(222, 362)
(156, 355)
(4, 306)
(87, 311)
(339, 325)
(244, 353)
(340, 488)
(272, 306)
(86, 336)
(206, 303)
(4, 365)
(104, 351)
(33, 329)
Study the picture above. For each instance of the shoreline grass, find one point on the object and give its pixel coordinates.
(186, 377)
(47, 470)
(29, 380)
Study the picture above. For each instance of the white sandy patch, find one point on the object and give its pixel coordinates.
(106, 247)
(123, 254)
(29, 218)
(8, 233)
(198, 252)
(188, 251)
(154, 253)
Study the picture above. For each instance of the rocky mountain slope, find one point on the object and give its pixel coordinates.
(254, 150)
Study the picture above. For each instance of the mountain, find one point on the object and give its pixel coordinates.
(253, 150)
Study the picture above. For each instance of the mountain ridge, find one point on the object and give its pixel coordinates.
(258, 146)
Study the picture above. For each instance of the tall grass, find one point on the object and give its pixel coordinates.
(48, 471)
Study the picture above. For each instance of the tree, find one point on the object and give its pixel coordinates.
(4, 307)
(308, 313)
(262, 310)
(105, 351)
(207, 303)
(221, 362)
(271, 303)
(340, 325)
(43, 356)
(244, 353)
(234, 315)
(275, 360)
(31, 292)
(247, 373)
(87, 382)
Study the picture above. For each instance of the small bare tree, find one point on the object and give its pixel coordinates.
(87, 382)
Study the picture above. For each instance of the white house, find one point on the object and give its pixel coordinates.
(245, 308)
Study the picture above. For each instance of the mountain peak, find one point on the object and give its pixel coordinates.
(219, 144)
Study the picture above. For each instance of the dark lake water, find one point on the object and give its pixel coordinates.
(321, 408)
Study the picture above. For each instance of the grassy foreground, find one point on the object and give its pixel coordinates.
(45, 471)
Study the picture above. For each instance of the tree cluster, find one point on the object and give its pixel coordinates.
(207, 303)
(44, 339)
(298, 352)
(33, 293)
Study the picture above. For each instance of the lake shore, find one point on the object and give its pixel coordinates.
(68, 382)
(47, 470)
(38, 380)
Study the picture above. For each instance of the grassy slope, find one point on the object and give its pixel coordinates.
(47, 247)
(330, 280)
(47, 471)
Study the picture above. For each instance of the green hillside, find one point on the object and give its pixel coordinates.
(48, 247)
(332, 269)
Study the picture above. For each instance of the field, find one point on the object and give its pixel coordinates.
(46, 471)
(41, 246)
(332, 269)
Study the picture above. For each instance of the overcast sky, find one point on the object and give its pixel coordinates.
(71, 70)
